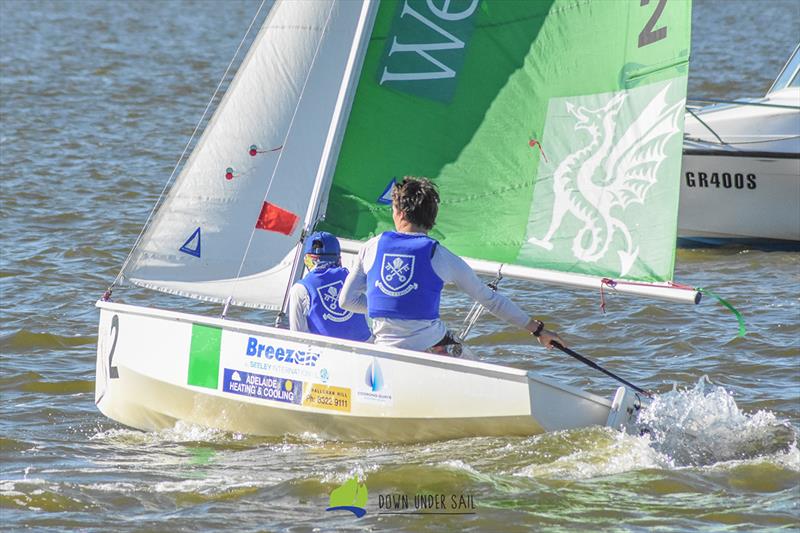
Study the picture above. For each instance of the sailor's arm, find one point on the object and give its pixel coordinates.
(299, 304)
(354, 292)
(453, 269)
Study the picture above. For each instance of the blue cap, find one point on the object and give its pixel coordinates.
(322, 243)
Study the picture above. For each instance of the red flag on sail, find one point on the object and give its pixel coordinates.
(274, 218)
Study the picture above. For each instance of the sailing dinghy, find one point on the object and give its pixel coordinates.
(557, 158)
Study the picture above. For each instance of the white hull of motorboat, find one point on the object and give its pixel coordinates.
(155, 367)
(740, 197)
(741, 169)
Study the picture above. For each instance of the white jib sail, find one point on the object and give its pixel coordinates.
(230, 223)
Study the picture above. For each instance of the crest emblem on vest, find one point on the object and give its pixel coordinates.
(329, 298)
(397, 272)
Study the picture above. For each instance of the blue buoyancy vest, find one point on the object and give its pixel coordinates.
(402, 283)
(325, 317)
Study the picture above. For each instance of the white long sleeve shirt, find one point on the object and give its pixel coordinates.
(422, 334)
(299, 305)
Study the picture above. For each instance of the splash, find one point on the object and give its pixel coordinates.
(181, 432)
(703, 426)
(605, 452)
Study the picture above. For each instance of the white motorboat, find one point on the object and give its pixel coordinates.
(741, 168)
(307, 130)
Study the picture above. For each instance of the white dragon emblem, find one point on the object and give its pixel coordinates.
(610, 173)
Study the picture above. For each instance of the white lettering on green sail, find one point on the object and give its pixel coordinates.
(612, 161)
(475, 134)
(427, 46)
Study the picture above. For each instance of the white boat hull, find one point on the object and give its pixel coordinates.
(156, 367)
(741, 171)
(739, 197)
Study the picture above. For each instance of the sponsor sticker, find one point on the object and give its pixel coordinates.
(376, 390)
(262, 386)
(327, 397)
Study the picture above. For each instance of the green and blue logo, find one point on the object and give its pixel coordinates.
(349, 497)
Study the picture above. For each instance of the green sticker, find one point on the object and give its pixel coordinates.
(204, 356)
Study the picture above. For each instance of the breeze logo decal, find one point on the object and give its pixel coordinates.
(397, 271)
(329, 296)
(262, 387)
(281, 354)
(349, 497)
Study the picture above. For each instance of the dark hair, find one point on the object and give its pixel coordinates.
(417, 199)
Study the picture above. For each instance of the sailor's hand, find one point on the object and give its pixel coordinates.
(546, 337)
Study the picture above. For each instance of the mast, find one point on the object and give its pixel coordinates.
(333, 141)
(228, 229)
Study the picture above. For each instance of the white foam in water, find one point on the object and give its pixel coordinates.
(180, 432)
(610, 452)
(703, 425)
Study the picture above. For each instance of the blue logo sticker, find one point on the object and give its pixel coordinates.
(280, 354)
(263, 387)
(374, 377)
(192, 244)
(386, 196)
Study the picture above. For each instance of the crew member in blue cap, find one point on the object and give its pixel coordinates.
(314, 300)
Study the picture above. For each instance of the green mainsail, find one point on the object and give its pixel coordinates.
(552, 128)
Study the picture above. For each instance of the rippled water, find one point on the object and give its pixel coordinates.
(96, 99)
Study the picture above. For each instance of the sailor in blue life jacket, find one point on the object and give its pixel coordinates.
(399, 277)
(314, 300)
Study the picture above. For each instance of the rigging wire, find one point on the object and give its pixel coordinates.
(703, 122)
(477, 308)
(759, 141)
(280, 154)
(714, 133)
(183, 153)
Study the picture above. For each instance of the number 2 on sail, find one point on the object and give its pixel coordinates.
(647, 35)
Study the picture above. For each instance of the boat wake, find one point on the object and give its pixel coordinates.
(703, 425)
